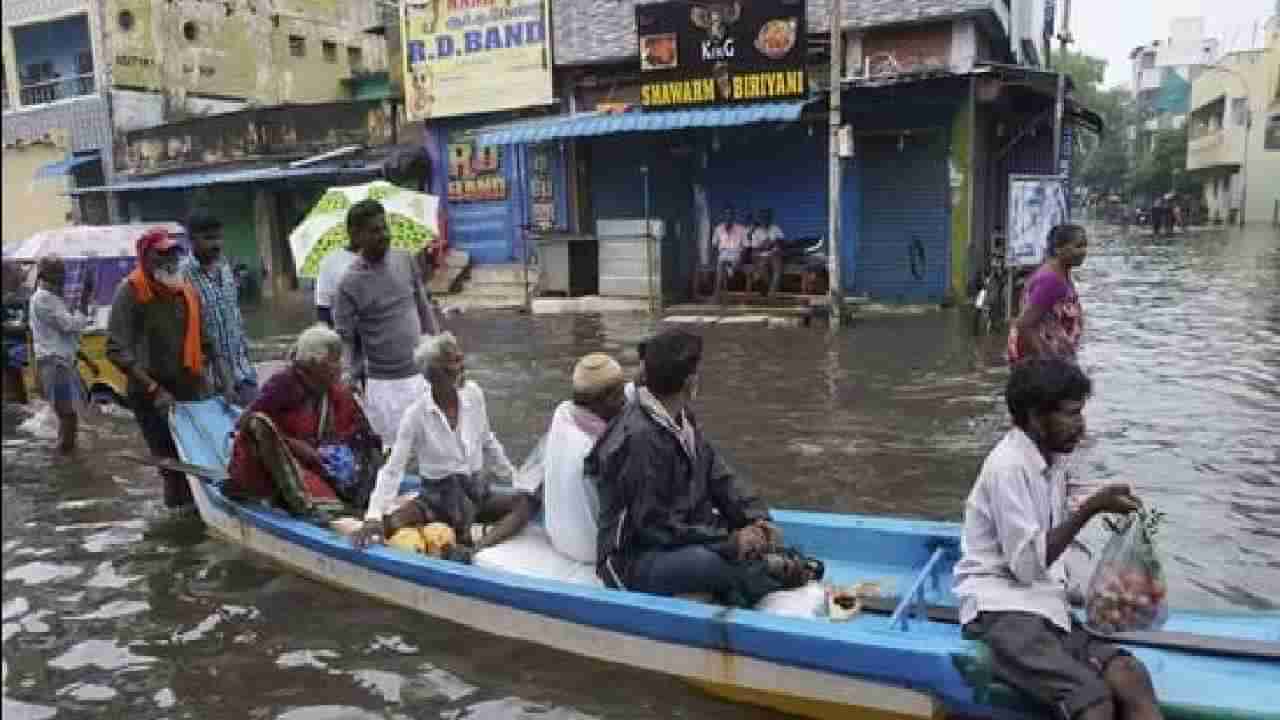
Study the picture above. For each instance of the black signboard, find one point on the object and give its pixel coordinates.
(695, 54)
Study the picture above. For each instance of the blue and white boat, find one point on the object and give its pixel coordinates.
(902, 665)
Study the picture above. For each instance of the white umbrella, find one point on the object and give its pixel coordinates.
(87, 241)
(411, 218)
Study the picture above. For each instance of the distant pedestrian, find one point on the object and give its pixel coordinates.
(154, 338)
(1051, 320)
(55, 335)
(381, 311)
(230, 372)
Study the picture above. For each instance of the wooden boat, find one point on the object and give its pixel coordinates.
(898, 665)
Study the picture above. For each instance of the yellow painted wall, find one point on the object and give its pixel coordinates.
(243, 53)
(32, 205)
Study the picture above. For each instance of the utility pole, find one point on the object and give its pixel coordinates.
(835, 289)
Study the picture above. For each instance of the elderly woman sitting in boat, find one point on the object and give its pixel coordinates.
(447, 430)
(304, 443)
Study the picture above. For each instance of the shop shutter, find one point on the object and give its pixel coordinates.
(902, 247)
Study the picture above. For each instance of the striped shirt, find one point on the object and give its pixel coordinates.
(220, 320)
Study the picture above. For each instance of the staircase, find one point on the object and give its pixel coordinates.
(483, 286)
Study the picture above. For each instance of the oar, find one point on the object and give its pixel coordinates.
(202, 471)
(1215, 645)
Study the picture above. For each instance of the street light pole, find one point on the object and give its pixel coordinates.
(835, 289)
(1248, 135)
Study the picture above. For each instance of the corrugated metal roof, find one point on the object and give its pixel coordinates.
(591, 124)
(181, 181)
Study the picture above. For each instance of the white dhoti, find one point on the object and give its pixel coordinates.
(386, 400)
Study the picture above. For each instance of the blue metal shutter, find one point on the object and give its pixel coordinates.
(903, 253)
(782, 167)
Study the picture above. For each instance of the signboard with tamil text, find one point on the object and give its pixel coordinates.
(694, 54)
(474, 56)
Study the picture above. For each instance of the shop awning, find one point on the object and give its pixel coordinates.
(204, 178)
(599, 123)
(66, 165)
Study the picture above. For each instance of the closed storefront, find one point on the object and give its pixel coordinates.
(904, 228)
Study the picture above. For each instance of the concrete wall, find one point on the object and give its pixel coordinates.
(190, 54)
(32, 205)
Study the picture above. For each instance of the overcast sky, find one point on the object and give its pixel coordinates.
(1111, 28)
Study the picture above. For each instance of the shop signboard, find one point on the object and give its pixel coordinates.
(475, 172)
(700, 54)
(474, 56)
(1036, 204)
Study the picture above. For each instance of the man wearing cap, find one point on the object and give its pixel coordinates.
(229, 369)
(55, 334)
(559, 485)
(154, 337)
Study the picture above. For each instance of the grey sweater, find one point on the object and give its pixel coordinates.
(386, 307)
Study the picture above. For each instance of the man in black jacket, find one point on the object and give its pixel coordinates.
(673, 518)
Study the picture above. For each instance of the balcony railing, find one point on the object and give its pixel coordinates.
(47, 91)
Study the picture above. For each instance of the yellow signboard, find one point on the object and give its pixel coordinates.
(474, 56)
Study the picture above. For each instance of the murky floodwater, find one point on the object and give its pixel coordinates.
(111, 610)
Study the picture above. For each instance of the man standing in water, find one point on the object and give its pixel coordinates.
(214, 281)
(55, 333)
(382, 306)
(1051, 321)
(332, 268)
(154, 338)
(1010, 582)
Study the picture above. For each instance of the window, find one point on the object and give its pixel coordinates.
(330, 51)
(355, 59)
(297, 46)
(125, 19)
(55, 60)
(1271, 138)
(1239, 111)
(190, 30)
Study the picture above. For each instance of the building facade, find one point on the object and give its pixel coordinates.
(80, 74)
(1234, 146)
(1162, 72)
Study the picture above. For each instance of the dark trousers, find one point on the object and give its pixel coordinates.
(699, 569)
(155, 431)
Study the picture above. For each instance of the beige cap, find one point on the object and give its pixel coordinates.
(596, 372)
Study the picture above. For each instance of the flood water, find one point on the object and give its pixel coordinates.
(112, 610)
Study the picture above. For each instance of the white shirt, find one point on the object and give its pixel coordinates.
(570, 501)
(1017, 499)
(55, 330)
(332, 268)
(765, 237)
(441, 451)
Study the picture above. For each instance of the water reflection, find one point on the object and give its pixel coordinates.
(112, 610)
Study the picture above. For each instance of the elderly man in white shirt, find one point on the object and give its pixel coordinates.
(1011, 580)
(447, 430)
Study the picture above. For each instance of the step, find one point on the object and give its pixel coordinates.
(509, 273)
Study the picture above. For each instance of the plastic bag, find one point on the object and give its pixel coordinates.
(1128, 590)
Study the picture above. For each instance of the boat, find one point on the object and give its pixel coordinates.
(908, 663)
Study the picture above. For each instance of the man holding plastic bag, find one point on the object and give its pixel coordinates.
(1011, 581)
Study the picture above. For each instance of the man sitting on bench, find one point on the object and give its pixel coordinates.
(1010, 582)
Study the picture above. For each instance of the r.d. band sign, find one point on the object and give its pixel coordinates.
(722, 52)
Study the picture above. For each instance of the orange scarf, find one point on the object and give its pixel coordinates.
(146, 291)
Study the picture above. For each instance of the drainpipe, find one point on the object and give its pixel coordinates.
(836, 287)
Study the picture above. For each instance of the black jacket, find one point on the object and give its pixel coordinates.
(653, 496)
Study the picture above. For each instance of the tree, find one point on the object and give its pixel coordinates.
(1164, 169)
(1102, 162)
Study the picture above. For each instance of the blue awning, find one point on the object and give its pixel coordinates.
(66, 165)
(590, 124)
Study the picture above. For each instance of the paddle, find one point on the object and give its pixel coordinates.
(202, 471)
(1235, 647)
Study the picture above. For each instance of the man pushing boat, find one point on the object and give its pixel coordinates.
(1011, 581)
